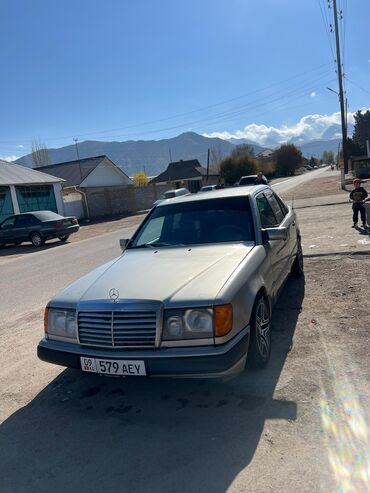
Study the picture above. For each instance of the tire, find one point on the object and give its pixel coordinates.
(260, 336)
(297, 267)
(37, 240)
(63, 238)
(2, 245)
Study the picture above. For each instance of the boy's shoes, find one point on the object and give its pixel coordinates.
(354, 225)
(364, 225)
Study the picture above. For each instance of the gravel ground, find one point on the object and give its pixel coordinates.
(300, 425)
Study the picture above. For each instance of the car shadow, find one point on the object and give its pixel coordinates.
(90, 433)
(25, 248)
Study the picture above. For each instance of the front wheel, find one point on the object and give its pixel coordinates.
(297, 267)
(260, 336)
(37, 240)
(63, 238)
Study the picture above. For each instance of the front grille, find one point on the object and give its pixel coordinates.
(119, 329)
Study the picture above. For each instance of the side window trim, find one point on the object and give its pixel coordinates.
(283, 207)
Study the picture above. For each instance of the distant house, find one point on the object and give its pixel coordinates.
(361, 166)
(92, 187)
(190, 174)
(267, 153)
(23, 190)
(98, 171)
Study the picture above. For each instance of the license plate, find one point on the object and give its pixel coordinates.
(113, 366)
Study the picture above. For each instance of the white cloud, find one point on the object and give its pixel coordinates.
(20, 146)
(9, 158)
(313, 94)
(309, 127)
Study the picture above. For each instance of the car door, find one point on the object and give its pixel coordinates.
(275, 249)
(290, 222)
(284, 219)
(7, 230)
(22, 227)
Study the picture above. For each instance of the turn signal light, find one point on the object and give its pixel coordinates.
(223, 319)
(46, 315)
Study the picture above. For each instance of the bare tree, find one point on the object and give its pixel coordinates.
(243, 150)
(215, 158)
(40, 154)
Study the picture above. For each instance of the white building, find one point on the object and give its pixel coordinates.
(23, 189)
(82, 178)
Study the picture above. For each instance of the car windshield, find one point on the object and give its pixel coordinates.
(197, 222)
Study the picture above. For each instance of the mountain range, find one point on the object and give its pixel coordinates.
(153, 156)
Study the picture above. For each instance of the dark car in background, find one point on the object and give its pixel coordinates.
(36, 227)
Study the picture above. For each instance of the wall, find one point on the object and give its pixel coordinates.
(106, 175)
(115, 201)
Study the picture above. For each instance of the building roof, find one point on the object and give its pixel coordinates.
(183, 170)
(75, 172)
(14, 174)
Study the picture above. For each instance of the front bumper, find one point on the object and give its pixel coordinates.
(190, 362)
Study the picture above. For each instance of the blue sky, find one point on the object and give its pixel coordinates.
(151, 69)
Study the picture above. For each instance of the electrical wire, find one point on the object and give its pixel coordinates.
(185, 113)
(326, 25)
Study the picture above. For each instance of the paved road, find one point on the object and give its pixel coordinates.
(30, 280)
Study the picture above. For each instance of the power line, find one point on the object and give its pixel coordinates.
(326, 25)
(185, 113)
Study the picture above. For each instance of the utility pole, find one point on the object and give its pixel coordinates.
(78, 158)
(340, 81)
(207, 166)
(169, 152)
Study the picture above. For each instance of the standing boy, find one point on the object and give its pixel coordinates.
(358, 196)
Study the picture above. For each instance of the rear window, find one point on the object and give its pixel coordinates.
(168, 195)
(46, 215)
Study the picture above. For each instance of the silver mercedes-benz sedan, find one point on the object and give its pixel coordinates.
(190, 296)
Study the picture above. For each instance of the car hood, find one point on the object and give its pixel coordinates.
(175, 276)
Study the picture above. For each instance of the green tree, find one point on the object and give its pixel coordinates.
(312, 162)
(288, 158)
(361, 133)
(233, 168)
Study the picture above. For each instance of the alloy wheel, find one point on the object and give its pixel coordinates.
(263, 332)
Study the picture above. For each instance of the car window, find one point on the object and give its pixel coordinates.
(47, 215)
(153, 232)
(23, 221)
(275, 206)
(198, 222)
(267, 215)
(284, 208)
(8, 223)
(168, 195)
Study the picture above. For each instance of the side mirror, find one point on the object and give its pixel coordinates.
(123, 244)
(270, 234)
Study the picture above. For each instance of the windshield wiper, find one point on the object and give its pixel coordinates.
(157, 244)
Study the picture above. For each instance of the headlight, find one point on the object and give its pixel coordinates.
(188, 324)
(61, 323)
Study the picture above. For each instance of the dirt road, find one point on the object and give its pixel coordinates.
(302, 424)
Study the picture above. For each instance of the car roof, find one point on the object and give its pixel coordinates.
(217, 194)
